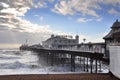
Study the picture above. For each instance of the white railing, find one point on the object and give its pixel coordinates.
(79, 49)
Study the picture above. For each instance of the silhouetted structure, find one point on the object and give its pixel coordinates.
(112, 37)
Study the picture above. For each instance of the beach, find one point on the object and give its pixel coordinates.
(59, 77)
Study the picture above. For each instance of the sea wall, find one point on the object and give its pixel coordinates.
(115, 60)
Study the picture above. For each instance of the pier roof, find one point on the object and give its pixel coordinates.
(115, 29)
(116, 24)
(109, 35)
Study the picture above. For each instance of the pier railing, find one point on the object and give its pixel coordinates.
(80, 50)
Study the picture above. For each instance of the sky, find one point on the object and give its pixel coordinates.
(36, 20)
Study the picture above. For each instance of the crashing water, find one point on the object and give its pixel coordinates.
(26, 62)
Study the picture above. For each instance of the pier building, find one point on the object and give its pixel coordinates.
(112, 37)
(92, 47)
(61, 42)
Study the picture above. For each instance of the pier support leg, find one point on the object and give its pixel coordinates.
(80, 61)
(55, 58)
(100, 66)
(84, 64)
(62, 60)
(47, 54)
(91, 65)
(52, 59)
(96, 66)
(72, 62)
(87, 64)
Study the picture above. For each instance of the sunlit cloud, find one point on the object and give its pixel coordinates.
(36, 15)
(3, 5)
(9, 46)
(71, 7)
(85, 8)
(83, 20)
(114, 12)
(15, 30)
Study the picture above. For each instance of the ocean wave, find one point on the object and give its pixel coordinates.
(8, 58)
(17, 65)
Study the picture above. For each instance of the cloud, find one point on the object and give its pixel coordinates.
(83, 20)
(20, 7)
(5, 46)
(71, 7)
(63, 8)
(3, 5)
(16, 8)
(18, 33)
(110, 2)
(84, 7)
(114, 12)
(15, 30)
(36, 15)
(41, 18)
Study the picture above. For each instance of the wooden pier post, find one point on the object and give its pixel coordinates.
(80, 61)
(47, 54)
(72, 62)
(55, 58)
(62, 60)
(100, 66)
(96, 66)
(91, 65)
(87, 64)
(52, 59)
(84, 63)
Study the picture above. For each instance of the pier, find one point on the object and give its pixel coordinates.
(85, 59)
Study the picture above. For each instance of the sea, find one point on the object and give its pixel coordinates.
(15, 61)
